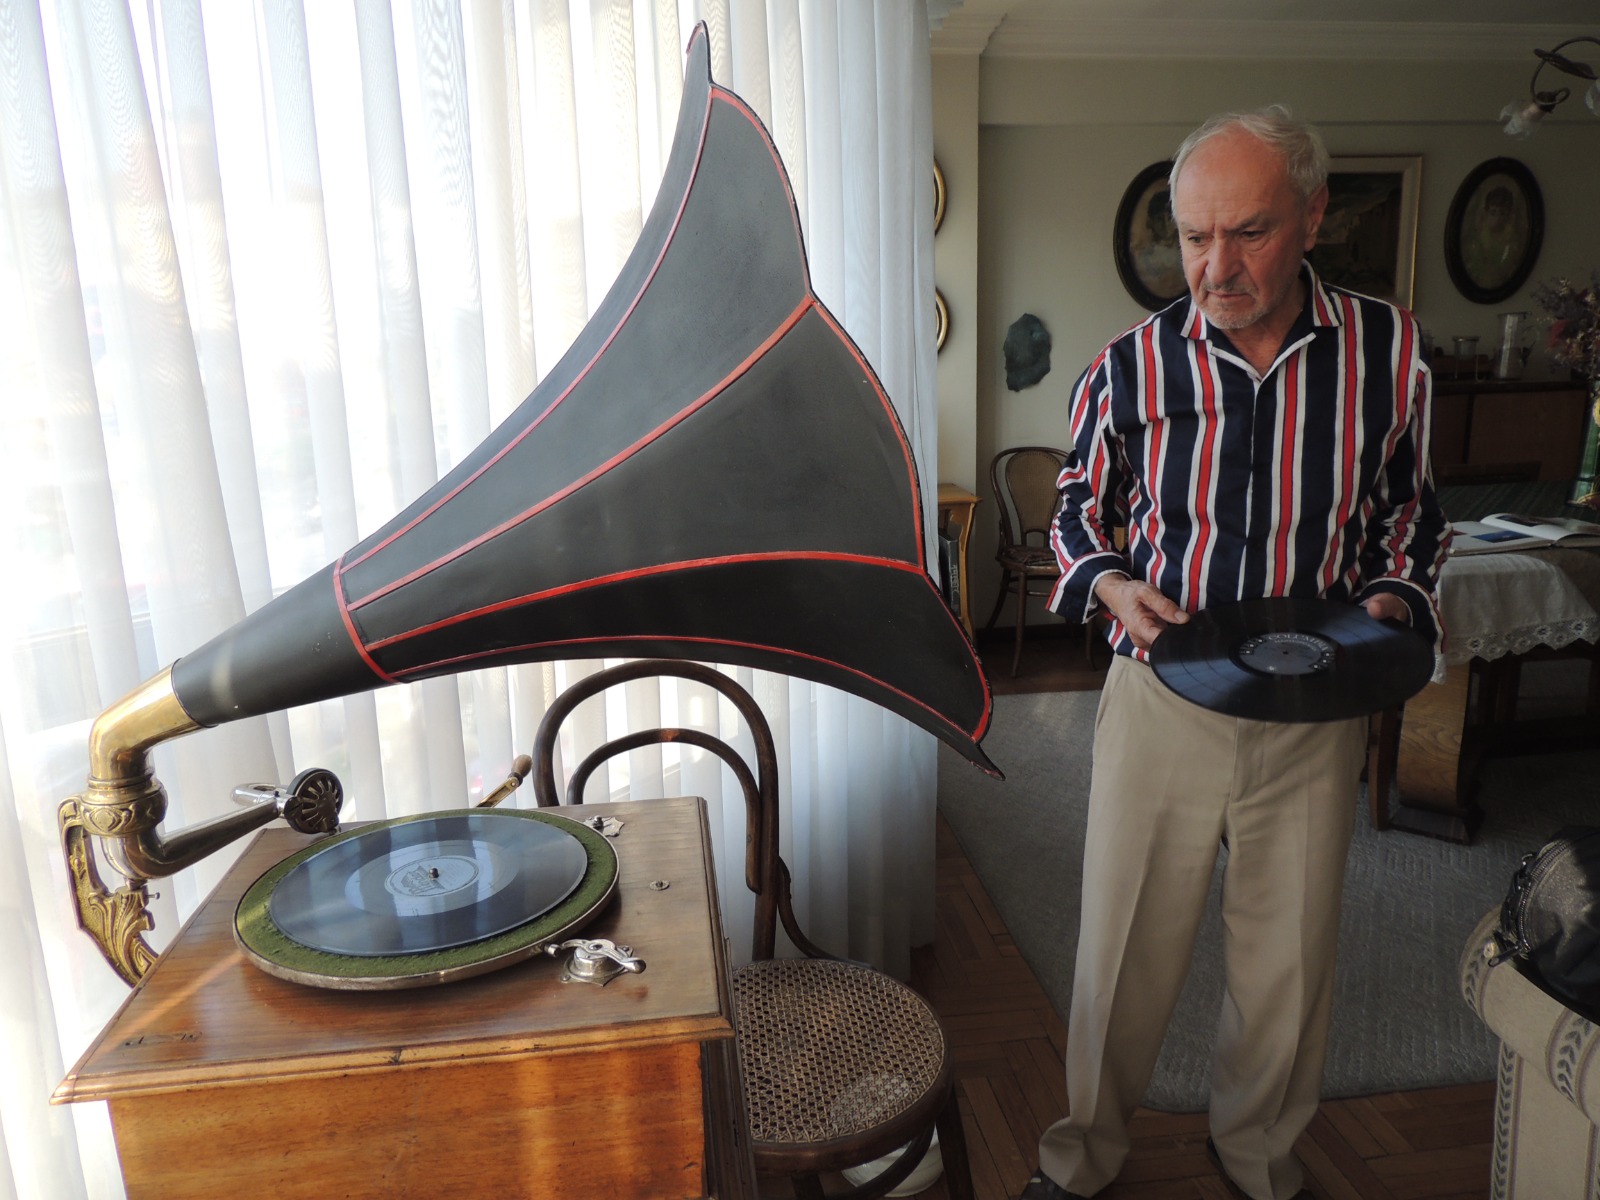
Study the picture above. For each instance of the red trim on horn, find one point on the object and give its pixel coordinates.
(356, 640)
(805, 265)
(458, 664)
(894, 422)
(567, 589)
(681, 415)
(749, 114)
(705, 127)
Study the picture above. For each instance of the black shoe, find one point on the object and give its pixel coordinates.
(1216, 1161)
(1042, 1187)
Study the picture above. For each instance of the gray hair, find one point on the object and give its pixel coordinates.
(1298, 144)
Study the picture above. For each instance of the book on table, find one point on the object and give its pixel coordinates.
(1518, 531)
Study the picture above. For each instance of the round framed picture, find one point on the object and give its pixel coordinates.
(1494, 230)
(1144, 240)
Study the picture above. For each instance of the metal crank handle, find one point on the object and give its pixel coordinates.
(519, 771)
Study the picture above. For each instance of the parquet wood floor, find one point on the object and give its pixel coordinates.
(1008, 1042)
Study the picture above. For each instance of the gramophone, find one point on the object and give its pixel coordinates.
(657, 495)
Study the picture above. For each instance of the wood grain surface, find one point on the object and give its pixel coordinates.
(223, 1078)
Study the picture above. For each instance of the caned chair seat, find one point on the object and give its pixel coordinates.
(838, 1060)
(1029, 558)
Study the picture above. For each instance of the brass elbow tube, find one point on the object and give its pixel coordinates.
(123, 802)
(122, 805)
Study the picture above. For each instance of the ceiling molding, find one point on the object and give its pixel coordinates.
(961, 32)
(1116, 37)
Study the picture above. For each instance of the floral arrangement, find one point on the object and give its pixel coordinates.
(1574, 324)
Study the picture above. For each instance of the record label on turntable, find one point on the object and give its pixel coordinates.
(431, 878)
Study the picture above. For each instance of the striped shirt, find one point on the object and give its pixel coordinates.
(1310, 481)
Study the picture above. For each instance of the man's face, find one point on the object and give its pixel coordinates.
(1243, 229)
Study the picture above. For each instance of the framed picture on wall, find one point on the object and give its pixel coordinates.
(1144, 240)
(1494, 230)
(1368, 239)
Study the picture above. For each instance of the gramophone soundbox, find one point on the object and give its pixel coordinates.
(225, 1080)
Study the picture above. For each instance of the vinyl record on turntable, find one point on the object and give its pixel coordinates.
(426, 899)
(1292, 659)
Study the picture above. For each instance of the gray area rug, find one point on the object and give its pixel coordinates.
(1398, 1020)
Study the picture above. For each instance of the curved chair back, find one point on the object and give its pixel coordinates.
(1024, 482)
(765, 872)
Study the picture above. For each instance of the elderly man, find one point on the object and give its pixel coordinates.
(1265, 436)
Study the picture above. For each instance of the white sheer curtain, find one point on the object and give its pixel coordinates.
(266, 270)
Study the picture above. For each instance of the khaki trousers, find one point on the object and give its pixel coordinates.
(1171, 781)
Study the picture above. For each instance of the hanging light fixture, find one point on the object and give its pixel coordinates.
(1522, 117)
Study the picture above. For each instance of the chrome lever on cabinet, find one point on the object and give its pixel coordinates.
(595, 960)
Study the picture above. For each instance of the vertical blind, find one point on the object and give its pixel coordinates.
(267, 270)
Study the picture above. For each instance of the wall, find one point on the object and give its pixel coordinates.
(955, 256)
(1059, 141)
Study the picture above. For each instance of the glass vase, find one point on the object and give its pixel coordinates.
(1585, 489)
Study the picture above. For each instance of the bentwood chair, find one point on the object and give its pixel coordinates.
(1024, 483)
(842, 1064)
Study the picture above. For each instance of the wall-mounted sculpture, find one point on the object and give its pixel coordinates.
(1027, 350)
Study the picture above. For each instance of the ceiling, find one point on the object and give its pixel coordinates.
(1398, 29)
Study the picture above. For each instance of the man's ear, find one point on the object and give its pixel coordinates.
(1316, 206)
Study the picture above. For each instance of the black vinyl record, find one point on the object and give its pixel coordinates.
(427, 884)
(1294, 660)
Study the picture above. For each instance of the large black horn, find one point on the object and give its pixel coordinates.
(713, 471)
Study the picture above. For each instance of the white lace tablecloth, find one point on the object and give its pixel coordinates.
(1499, 604)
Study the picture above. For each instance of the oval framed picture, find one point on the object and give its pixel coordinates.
(1144, 240)
(941, 320)
(1494, 230)
(938, 195)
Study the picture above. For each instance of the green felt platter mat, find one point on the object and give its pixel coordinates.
(265, 945)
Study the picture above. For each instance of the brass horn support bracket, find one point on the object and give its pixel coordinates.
(117, 921)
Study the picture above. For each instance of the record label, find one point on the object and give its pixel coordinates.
(1292, 659)
(1287, 653)
(427, 884)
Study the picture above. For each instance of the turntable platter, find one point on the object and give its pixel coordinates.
(426, 899)
(427, 884)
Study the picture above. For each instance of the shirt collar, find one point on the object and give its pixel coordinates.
(1320, 311)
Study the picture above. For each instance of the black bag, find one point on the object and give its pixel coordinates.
(1550, 921)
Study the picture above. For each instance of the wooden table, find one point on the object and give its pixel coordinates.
(225, 1081)
(956, 507)
(1439, 744)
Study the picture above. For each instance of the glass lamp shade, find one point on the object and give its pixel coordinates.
(1522, 119)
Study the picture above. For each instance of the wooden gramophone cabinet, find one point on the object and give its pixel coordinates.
(223, 1080)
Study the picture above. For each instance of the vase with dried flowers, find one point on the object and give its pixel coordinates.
(1575, 344)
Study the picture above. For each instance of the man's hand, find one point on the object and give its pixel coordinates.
(1386, 606)
(1143, 611)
